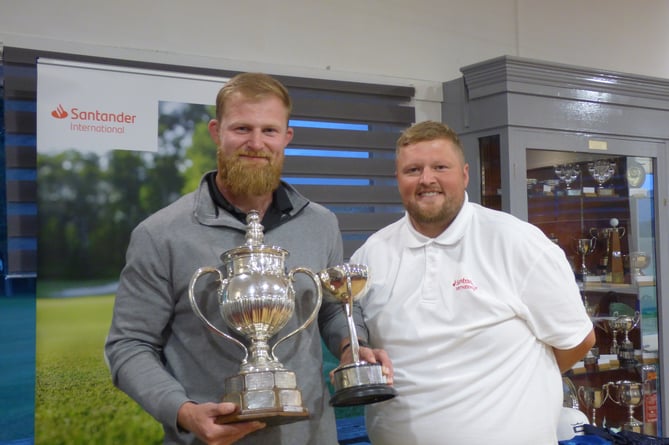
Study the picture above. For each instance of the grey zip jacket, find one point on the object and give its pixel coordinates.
(162, 355)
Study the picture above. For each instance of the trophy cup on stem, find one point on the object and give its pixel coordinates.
(638, 262)
(256, 301)
(613, 325)
(615, 263)
(593, 398)
(601, 171)
(585, 246)
(359, 382)
(627, 394)
(626, 323)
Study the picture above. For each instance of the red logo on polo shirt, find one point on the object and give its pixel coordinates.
(59, 113)
(464, 283)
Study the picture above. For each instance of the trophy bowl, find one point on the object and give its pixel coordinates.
(357, 383)
(627, 394)
(256, 300)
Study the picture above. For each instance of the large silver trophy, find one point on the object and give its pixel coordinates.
(360, 382)
(256, 300)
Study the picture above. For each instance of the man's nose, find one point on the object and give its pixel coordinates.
(255, 141)
(427, 176)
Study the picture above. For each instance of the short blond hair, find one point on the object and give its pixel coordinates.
(252, 86)
(428, 131)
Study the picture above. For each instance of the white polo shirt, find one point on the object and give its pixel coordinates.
(469, 319)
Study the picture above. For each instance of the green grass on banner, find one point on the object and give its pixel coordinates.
(75, 401)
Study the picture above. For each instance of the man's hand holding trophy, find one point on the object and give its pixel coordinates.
(359, 382)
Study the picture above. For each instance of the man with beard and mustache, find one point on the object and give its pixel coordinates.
(159, 352)
(478, 309)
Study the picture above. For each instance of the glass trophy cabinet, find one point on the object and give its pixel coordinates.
(582, 154)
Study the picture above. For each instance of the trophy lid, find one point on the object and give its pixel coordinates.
(254, 241)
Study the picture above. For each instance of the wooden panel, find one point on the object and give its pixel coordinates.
(21, 191)
(20, 157)
(22, 226)
(366, 222)
(350, 246)
(352, 111)
(349, 139)
(350, 194)
(21, 122)
(21, 262)
(340, 167)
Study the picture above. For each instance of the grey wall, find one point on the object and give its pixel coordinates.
(420, 43)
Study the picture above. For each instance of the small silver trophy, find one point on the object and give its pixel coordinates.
(625, 323)
(593, 398)
(357, 383)
(638, 262)
(584, 247)
(257, 300)
(629, 395)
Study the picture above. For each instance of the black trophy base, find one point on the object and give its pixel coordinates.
(271, 418)
(362, 395)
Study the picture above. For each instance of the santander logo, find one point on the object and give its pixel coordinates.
(59, 113)
(464, 283)
(95, 120)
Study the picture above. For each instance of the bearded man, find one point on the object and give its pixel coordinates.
(159, 352)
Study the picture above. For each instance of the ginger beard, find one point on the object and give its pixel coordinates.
(431, 214)
(249, 178)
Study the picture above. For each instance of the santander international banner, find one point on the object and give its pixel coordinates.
(95, 107)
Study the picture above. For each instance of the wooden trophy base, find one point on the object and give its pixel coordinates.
(271, 418)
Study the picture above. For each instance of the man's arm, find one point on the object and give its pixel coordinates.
(566, 358)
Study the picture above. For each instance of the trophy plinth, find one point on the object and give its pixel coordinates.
(270, 396)
(358, 383)
(256, 300)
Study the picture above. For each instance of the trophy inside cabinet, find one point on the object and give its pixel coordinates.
(600, 210)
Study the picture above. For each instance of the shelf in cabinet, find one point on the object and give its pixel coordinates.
(623, 288)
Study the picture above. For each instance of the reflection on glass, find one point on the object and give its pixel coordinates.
(600, 210)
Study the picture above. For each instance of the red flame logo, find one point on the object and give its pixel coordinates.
(59, 113)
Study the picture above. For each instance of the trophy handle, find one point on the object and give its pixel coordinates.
(191, 296)
(609, 394)
(580, 393)
(319, 300)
